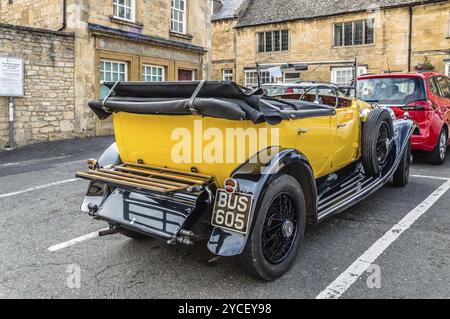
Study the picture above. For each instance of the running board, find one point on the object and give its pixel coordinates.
(344, 195)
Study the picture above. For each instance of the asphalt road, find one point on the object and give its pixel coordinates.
(36, 216)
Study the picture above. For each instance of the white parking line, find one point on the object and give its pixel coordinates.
(431, 177)
(74, 241)
(39, 187)
(338, 287)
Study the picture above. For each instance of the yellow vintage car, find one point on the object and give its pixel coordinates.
(247, 170)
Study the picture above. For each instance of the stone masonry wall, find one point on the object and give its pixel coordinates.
(46, 14)
(47, 110)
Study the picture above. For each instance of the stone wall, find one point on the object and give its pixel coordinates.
(223, 40)
(46, 14)
(47, 110)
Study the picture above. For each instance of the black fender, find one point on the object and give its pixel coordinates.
(97, 192)
(253, 177)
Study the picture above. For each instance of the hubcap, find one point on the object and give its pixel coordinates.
(280, 229)
(287, 228)
(443, 145)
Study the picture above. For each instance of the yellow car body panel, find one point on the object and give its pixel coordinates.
(157, 140)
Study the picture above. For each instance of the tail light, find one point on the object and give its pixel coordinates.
(418, 105)
(231, 185)
(290, 90)
(92, 164)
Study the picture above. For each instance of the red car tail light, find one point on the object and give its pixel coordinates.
(418, 105)
(231, 185)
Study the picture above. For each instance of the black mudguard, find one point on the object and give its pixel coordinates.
(253, 177)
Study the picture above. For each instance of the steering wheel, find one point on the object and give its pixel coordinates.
(317, 99)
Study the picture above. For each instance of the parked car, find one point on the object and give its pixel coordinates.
(422, 97)
(328, 157)
(277, 89)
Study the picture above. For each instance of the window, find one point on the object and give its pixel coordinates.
(112, 71)
(273, 41)
(227, 74)
(368, 31)
(443, 86)
(291, 77)
(342, 76)
(354, 33)
(348, 34)
(338, 35)
(433, 86)
(251, 78)
(124, 9)
(358, 28)
(391, 90)
(178, 18)
(266, 77)
(153, 73)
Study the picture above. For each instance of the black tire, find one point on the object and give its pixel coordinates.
(257, 259)
(377, 130)
(134, 235)
(401, 175)
(438, 155)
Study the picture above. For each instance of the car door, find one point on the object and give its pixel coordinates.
(315, 136)
(347, 135)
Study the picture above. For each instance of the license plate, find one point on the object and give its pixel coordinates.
(232, 211)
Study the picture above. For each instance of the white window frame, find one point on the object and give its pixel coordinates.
(125, 73)
(181, 13)
(151, 68)
(335, 76)
(251, 75)
(227, 75)
(265, 77)
(131, 7)
(360, 70)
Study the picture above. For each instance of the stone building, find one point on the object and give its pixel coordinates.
(132, 40)
(382, 35)
(47, 110)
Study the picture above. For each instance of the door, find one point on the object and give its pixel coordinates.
(347, 128)
(185, 75)
(314, 141)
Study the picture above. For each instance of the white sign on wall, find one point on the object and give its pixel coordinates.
(11, 77)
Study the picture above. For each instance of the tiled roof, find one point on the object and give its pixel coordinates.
(227, 10)
(273, 11)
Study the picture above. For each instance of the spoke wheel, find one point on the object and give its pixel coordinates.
(280, 229)
(382, 144)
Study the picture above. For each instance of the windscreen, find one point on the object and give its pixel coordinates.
(393, 91)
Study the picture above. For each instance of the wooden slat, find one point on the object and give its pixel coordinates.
(170, 176)
(170, 170)
(144, 178)
(115, 181)
(134, 180)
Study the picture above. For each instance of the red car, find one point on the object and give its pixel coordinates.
(423, 97)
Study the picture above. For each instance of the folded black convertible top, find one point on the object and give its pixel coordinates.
(219, 99)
